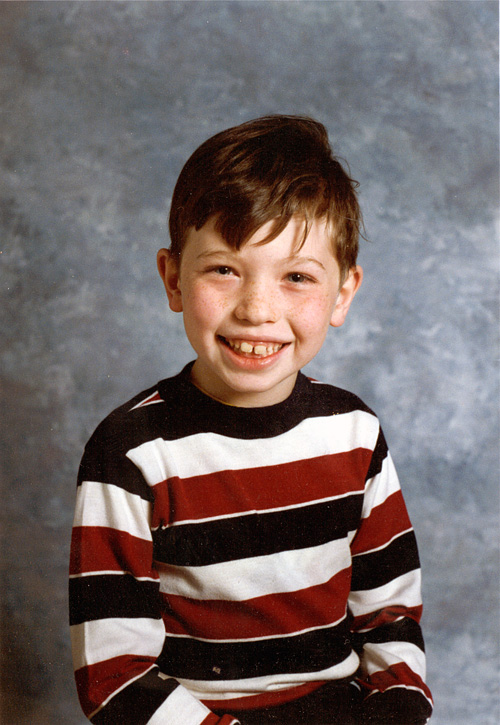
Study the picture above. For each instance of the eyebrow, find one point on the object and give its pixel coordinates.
(293, 258)
(214, 253)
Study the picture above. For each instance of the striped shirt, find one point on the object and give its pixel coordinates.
(235, 558)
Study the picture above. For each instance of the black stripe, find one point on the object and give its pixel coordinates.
(190, 411)
(105, 596)
(380, 567)
(186, 411)
(138, 702)
(311, 652)
(378, 457)
(105, 458)
(404, 630)
(257, 534)
(102, 466)
(397, 705)
(329, 400)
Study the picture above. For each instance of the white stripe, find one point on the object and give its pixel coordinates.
(206, 453)
(148, 401)
(378, 657)
(104, 504)
(403, 591)
(232, 689)
(180, 708)
(285, 571)
(385, 544)
(113, 572)
(103, 639)
(119, 689)
(380, 487)
(276, 509)
(239, 640)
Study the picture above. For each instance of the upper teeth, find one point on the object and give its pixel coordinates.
(245, 346)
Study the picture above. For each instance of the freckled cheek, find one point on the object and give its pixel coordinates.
(313, 317)
(204, 307)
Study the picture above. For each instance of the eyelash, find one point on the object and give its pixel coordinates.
(220, 267)
(225, 271)
(303, 277)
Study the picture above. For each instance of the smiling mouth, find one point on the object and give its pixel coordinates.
(260, 349)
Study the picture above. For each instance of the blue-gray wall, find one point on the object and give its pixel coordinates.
(100, 105)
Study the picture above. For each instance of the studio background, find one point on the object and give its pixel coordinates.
(100, 105)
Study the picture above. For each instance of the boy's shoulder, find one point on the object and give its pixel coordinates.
(336, 400)
(130, 421)
(173, 408)
(146, 415)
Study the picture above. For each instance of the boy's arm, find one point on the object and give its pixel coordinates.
(385, 602)
(116, 626)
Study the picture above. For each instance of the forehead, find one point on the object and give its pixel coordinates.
(298, 234)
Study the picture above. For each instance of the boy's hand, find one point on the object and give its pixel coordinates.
(390, 708)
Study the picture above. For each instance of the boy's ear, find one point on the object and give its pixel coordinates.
(168, 267)
(346, 295)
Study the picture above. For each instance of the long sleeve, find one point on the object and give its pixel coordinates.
(226, 559)
(117, 630)
(385, 602)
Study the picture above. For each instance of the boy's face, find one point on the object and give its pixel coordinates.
(255, 316)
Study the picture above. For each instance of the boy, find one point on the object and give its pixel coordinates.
(241, 549)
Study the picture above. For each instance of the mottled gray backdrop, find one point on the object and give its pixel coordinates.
(101, 103)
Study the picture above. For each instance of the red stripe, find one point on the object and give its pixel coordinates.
(152, 398)
(385, 616)
(98, 548)
(384, 522)
(264, 616)
(258, 489)
(396, 675)
(95, 683)
(212, 719)
(267, 699)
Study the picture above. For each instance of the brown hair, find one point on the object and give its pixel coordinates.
(268, 169)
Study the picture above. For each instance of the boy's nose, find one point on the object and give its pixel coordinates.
(257, 306)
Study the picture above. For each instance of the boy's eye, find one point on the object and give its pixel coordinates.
(223, 270)
(298, 278)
